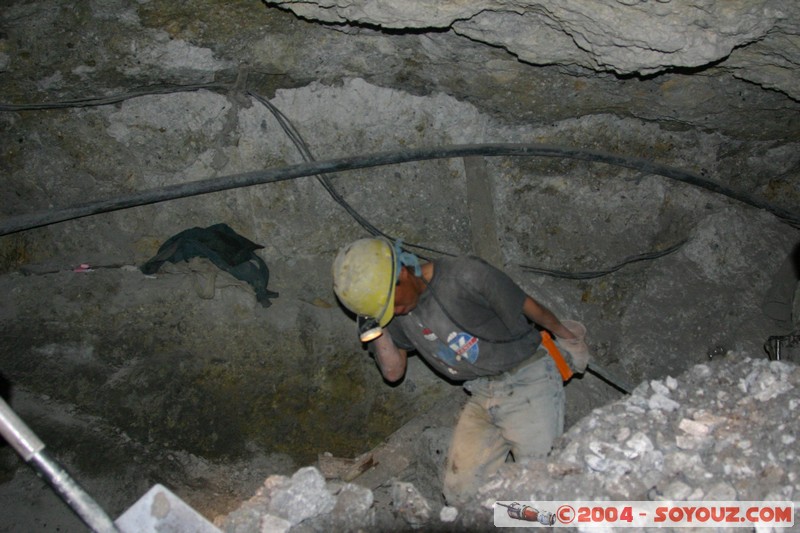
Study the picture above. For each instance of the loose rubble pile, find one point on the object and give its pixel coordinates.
(725, 430)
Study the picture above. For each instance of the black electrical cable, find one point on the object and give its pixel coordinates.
(247, 179)
(113, 99)
(284, 122)
(288, 127)
(599, 273)
(307, 156)
(325, 181)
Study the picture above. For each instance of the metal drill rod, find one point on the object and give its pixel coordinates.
(31, 449)
(612, 380)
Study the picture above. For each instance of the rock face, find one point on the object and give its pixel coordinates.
(621, 36)
(105, 99)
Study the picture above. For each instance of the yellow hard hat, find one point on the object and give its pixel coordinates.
(364, 276)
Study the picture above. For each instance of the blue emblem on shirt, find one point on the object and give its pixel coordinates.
(463, 347)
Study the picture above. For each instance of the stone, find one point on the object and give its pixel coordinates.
(688, 442)
(772, 391)
(409, 504)
(660, 402)
(659, 387)
(353, 508)
(596, 463)
(274, 524)
(639, 443)
(448, 514)
(692, 427)
(677, 490)
(722, 491)
(622, 434)
(305, 496)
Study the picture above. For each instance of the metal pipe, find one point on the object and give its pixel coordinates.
(31, 449)
(18, 434)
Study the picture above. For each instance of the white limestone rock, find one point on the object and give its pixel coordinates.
(627, 37)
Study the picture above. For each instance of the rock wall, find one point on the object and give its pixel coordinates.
(103, 99)
(757, 41)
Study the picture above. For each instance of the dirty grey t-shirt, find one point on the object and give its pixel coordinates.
(467, 305)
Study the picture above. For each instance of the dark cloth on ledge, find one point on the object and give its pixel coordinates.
(222, 246)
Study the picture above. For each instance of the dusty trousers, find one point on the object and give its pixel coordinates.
(520, 411)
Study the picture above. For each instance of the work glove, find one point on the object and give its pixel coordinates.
(576, 348)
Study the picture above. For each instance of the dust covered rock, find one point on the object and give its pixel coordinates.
(725, 430)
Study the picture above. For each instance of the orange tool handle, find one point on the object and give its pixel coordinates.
(552, 349)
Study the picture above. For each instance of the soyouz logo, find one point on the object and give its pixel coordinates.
(671, 514)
